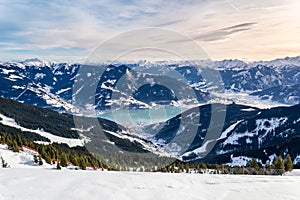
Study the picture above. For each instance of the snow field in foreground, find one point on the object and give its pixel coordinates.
(36, 184)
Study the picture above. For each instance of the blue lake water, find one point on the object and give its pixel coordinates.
(142, 116)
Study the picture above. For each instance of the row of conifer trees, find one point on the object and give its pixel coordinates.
(63, 156)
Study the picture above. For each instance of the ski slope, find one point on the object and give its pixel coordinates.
(22, 159)
(27, 181)
(47, 184)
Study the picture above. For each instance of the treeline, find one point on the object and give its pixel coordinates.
(53, 153)
(278, 167)
(33, 117)
(62, 155)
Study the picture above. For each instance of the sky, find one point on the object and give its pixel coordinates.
(71, 30)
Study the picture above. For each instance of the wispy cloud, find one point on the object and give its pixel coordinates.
(172, 22)
(77, 26)
(224, 33)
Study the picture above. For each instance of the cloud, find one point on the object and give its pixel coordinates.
(243, 25)
(168, 23)
(221, 33)
(224, 33)
(73, 24)
(37, 26)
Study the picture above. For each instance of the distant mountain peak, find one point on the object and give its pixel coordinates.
(35, 62)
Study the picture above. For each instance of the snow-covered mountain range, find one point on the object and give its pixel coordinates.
(194, 135)
(51, 85)
(247, 132)
(249, 129)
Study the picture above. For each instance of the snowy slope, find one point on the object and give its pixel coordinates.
(51, 184)
(53, 138)
(42, 125)
(23, 159)
(247, 133)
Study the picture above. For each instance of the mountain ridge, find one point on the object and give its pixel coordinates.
(51, 85)
(247, 132)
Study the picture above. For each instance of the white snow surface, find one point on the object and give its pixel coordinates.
(241, 161)
(63, 90)
(199, 150)
(260, 123)
(29, 184)
(243, 98)
(228, 130)
(53, 138)
(7, 71)
(23, 159)
(297, 160)
(27, 181)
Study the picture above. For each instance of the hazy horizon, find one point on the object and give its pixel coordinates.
(82, 61)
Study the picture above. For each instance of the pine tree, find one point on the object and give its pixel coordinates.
(164, 169)
(9, 141)
(42, 150)
(19, 140)
(15, 146)
(187, 167)
(35, 159)
(3, 138)
(180, 167)
(63, 160)
(52, 152)
(4, 164)
(288, 163)
(44, 154)
(25, 142)
(40, 160)
(58, 167)
(82, 163)
(203, 166)
(172, 168)
(47, 159)
(254, 164)
(74, 160)
(278, 163)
